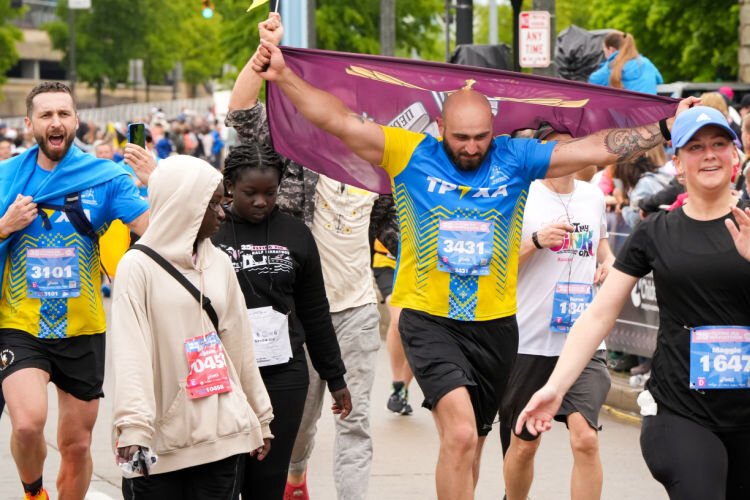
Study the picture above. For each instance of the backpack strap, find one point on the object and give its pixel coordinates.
(73, 210)
(205, 303)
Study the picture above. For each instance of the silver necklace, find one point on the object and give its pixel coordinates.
(564, 205)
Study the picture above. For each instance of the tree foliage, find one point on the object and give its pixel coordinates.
(160, 33)
(693, 41)
(202, 54)
(341, 25)
(9, 34)
(567, 12)
(239, 32)
(572, 12)
(354, 27)
(103, 47)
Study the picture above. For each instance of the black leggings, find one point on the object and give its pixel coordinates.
(693, 462)
(218, 480)
(266, 479)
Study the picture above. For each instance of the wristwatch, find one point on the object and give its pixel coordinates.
(535, 240)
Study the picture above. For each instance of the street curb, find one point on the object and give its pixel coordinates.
(623, 416)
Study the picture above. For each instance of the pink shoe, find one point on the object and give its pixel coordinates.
(297, 491)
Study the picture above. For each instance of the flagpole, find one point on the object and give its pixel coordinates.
(448, 21)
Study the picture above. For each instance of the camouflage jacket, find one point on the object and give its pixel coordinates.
(297, 190)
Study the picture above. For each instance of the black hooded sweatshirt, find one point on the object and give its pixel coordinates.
(278, 265)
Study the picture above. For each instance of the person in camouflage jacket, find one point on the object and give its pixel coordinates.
(342, 219)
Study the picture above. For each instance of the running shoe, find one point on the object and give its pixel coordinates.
(297, 491)
(398, 402)
(407, 407)
(42, 495)
(395, 403)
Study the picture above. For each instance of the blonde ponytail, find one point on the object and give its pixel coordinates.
(627, 50)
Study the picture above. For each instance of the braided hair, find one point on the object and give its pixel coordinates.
(251, 155)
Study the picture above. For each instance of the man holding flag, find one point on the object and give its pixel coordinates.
(460, 203)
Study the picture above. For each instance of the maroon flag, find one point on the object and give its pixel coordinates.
(410, 94)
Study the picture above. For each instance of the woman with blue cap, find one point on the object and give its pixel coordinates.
(695, 434)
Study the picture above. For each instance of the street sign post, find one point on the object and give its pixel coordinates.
(73, 6)
(534, 35)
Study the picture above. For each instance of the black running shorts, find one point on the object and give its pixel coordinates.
(446, 354)
(530, 373)
(75, 364)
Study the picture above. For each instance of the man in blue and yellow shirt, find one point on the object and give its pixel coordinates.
(460, 204)
(51, 315)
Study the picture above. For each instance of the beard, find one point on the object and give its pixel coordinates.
(462, 162)
(58, 154)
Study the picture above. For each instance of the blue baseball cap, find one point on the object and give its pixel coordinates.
(692, 120)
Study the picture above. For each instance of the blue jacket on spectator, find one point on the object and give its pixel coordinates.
(639, 74)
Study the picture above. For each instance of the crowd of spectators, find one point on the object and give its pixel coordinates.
(191, 133)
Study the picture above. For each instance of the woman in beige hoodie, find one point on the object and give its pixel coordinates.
(192, 398)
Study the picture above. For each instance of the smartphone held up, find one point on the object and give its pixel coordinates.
(137, 134)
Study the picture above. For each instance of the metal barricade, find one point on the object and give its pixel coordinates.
(636, 327)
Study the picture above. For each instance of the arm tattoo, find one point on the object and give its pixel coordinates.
(627, 142)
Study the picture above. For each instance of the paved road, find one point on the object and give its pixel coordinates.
(405, 454)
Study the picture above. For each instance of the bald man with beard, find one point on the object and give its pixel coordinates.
(461, 202)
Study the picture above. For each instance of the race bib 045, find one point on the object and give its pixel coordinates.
(207, 366)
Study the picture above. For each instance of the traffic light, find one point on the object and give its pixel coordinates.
(208, 9)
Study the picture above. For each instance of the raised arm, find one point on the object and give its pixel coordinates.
(326, 111)
(607, 146)
(247, 86)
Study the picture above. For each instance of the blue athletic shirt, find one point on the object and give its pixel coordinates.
(71, 316)
(143, 190)
(460, 231)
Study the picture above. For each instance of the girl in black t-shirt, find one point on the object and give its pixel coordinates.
(695, 435)
(278, 268)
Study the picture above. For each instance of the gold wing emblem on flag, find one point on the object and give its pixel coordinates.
(379, 76)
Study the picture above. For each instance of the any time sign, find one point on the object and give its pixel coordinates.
(534, 39)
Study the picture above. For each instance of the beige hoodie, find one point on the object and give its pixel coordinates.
(153, 314)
